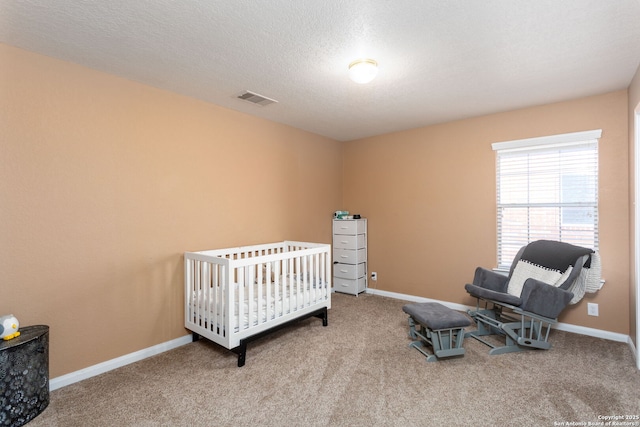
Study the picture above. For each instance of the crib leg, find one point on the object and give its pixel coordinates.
(324, 316)
(242, 354)
(194, 337)
(241, 351)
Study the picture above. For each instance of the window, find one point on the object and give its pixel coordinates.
(547, 188)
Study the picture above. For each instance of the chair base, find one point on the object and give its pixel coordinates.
(521, 330)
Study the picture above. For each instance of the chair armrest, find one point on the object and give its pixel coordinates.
(502, 298)
(543, 299)
(491, 280)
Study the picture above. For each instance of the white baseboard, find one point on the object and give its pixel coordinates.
(592, 332)
(635, 352)
(118, 362)
(412, 298)
(582, 330)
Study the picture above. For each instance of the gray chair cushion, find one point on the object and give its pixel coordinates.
(544, 300)
(480, 292)
(436, 316)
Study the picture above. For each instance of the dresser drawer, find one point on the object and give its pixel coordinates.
(343, 241)
(349, 286)
(349, 226)
(348, 256)
(348, 271)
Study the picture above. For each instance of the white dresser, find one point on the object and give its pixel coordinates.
(350, 255)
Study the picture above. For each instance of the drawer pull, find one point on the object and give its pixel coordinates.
(344, 256)
(344, 242)
(344, 271)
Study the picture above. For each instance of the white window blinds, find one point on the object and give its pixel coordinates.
(547, 188)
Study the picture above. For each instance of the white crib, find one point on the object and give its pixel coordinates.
(236, 295)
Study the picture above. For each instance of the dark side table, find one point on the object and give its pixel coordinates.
(24, 376)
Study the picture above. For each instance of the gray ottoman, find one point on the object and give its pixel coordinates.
(437, 326)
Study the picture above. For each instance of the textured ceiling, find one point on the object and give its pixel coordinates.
(438, 60)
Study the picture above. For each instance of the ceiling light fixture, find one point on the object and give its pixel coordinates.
(363, 70)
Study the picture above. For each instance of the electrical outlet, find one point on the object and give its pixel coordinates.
(374, 276)
(592, 309)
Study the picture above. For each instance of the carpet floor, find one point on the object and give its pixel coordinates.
(358, 371)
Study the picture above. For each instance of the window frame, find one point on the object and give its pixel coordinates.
(528, 147)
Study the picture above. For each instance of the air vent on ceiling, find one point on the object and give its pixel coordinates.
(257, 99)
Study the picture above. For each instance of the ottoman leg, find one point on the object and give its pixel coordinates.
(433, 325)
(412, 328)
(420, 344)
(448, 342)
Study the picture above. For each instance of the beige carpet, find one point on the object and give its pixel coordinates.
(358, 371)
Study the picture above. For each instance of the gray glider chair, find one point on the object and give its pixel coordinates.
(522, 307)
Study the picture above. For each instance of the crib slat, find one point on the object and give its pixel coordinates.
(199, 300)
(223, 292)
(277, 290)
(260, 280)
(212, 310)
(248, 283)
(239, 317)
(269, 310)
(306, 287)
(319, 280)
(205, 319)
(296, 293)
(230, 312)
(291, 286)
(190, 294)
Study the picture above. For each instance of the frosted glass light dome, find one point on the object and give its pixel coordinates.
(363, 70)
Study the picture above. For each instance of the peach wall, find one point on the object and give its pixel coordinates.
(104, 183)
(429, 195)
(634, 105)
